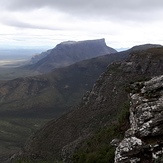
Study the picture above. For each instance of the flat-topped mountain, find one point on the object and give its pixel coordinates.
(85, 133)
(69, 52)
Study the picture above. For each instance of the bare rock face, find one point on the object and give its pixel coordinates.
(144, 140)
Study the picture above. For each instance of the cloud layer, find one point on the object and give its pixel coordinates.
(121, 22)
(107, 8)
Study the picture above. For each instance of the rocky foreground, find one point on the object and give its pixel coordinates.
(143, 141)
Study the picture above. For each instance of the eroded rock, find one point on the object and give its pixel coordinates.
(144, 140)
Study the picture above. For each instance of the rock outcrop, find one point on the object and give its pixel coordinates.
(143, 142)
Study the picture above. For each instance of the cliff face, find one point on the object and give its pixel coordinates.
(61, 138)
(143, 142)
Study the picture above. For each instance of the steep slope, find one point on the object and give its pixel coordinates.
(60, 139)
(67, 53)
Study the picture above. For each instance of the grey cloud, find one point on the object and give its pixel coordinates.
(108, 8)
(20, 24)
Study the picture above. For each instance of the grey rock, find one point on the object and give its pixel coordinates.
(115, 142)
(146, 123)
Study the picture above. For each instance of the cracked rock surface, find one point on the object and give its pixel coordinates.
(143, 142)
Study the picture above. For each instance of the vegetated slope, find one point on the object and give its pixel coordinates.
(67, 53)
(69, 137)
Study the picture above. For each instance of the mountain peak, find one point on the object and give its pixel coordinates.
(67, 42)
(96, 42)
(70, 42)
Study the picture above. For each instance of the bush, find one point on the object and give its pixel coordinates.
(98, 148)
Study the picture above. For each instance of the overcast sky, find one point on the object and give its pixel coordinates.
(123, 23)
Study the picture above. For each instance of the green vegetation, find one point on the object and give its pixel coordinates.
(159, 160)
(15, 131)
(23, 161)
(98, 148)
(12, 73)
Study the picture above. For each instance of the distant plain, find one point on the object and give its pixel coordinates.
(12, 59)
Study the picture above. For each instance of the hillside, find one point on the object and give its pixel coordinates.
(71, 137)
(69, 52)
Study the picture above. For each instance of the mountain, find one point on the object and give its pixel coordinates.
(69, 52)
(84, 134)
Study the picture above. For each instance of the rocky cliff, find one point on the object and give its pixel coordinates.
(69, 52)
(143, 141)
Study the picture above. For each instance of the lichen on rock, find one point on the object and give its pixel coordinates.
(143, 140)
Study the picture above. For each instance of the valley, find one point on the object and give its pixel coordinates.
(12, 59)
(81, 81)
(29, 99)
